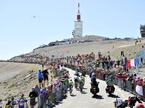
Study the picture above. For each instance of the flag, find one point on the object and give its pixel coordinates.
(129, 64)
(132, 63)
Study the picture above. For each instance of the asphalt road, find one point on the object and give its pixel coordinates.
(85, 100)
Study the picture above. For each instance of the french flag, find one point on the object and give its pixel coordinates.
(131, 63)
(134, 62)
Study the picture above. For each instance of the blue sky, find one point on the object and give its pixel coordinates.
(27, 24)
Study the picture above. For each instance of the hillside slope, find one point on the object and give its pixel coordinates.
(16, 78)
(44, 54)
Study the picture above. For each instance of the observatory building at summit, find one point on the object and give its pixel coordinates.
(78, 25)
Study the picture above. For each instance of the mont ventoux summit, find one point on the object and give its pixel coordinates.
(75, 45)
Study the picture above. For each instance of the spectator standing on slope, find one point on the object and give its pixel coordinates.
(40, 78)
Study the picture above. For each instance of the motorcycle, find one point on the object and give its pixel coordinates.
(110, 89)
(94, 89)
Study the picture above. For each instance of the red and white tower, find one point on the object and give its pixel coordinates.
(78, 27)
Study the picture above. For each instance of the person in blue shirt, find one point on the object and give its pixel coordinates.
(22, 102)
(13, 102)
(43, 98)
(40, 78)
